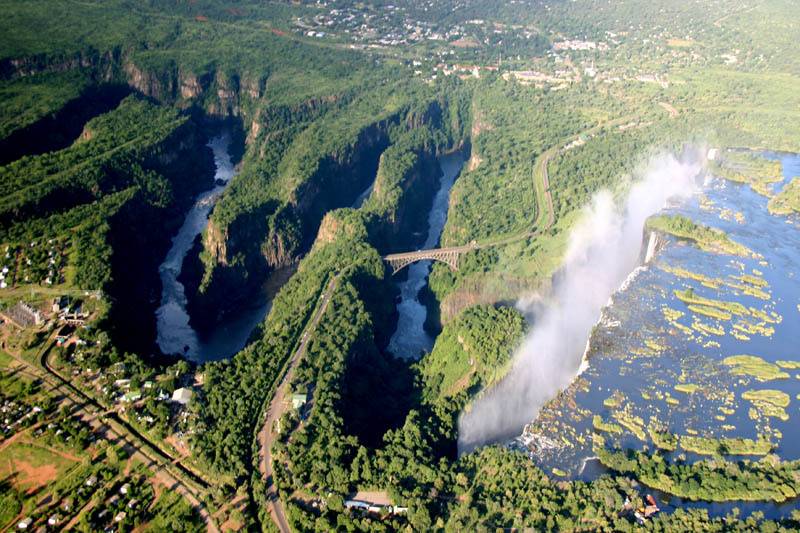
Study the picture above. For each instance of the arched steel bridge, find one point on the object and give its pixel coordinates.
(449, 256)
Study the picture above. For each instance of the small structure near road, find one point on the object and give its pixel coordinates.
(377, 502)
(299, 399)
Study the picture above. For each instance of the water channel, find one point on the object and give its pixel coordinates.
(175, 334)
(410, 340)
(654, 362)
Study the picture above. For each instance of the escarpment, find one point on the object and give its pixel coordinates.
(295, 172)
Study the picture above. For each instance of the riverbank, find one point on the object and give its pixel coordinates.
(176, 335)
(411, 339)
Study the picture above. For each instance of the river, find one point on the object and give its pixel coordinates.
(175, 334)
(654, 363)
(410, 340)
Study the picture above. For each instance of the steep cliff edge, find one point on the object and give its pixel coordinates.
(274, 234)
(141, 234)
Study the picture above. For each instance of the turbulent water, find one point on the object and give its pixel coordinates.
(654, 363)
(604, 248)
(410, 339)
(175, 334)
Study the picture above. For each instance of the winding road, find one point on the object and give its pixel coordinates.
(279, 406)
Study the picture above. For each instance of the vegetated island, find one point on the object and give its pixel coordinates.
(749, 169)
(706, 238)
(787, 201)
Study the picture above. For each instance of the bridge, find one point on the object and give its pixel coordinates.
(449, 256)
(544, 218)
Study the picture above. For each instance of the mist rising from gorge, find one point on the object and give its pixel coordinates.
(604, 249)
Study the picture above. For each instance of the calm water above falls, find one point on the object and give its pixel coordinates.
(648, 341)
(410, 340)
(175, 334)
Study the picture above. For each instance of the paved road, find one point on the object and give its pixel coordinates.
(278, 406)
(540, 170)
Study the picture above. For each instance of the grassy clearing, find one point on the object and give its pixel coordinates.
(787, 201)
(771, 396)
(755, 171)
(632, 423)
(690, 298)
(5, 359)
(601, 425)
(767, 403)
(10, 504)
(31, 467)
(710, 312)
(663, 439)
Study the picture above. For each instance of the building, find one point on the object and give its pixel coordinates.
(182, 396)
(132, 396)
(299, 399)
(25, 523)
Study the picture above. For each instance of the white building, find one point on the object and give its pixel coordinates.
(182, 396)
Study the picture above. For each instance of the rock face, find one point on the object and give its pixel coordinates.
(141, 235)
(103, 66)
(402, 227)
(270, 237)
(220, 95)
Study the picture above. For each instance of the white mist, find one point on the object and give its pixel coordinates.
(604, 248)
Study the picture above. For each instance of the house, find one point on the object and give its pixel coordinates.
(91, 482)
(299, 399)
(182, 396)
(356, 504)
(25, 523)
(54, 520)
(132, 396)
(124, 489)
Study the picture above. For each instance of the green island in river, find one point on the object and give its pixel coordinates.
(265, 264)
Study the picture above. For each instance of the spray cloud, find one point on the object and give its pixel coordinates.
(604, 248)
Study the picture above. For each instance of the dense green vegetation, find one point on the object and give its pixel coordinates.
(712, 480)
(321, 116)
(473, 352)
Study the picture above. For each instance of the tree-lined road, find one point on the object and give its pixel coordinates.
(278, 407)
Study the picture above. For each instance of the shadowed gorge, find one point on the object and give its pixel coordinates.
(447, 266)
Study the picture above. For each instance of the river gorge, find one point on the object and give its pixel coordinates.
(175, 333)
(410, 340)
